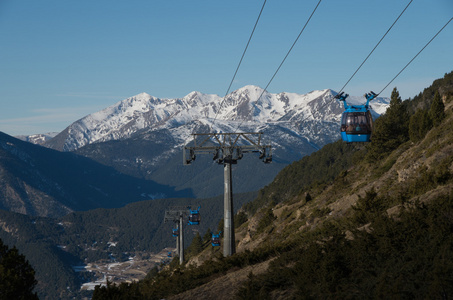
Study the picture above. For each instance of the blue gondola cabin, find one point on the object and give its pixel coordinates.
(194, 216)
(356, 120)
(215, 240)
(175, 232)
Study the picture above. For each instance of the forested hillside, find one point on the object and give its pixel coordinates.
(43, 182)
(54, 246)
(350, 221)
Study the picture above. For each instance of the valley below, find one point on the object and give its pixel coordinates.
(134, 269)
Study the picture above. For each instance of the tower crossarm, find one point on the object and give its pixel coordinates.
(228, 144)
(174, 213)
(227, 149)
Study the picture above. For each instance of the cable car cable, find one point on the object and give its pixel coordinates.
(240, 61)
(375, 46)
(382, 38)
(287, 54)
(357, 68)
(415, 56)
(356, 124)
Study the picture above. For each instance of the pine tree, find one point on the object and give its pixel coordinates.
(17, 277)
(240, 218)
(207, 236)
(437, 110)
(419, 124)
(196, 246)
(391, 129)
(220, 226)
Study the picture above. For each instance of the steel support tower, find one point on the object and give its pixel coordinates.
(226, 150)
(178, 249)
(176, 214)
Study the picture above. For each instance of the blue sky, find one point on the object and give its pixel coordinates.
(63, 59)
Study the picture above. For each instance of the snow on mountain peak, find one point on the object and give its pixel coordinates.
(143, 95)
(249, 103)
(253, 92)
(250, 89)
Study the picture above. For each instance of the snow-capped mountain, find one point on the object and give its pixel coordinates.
(313, 116)
(38, 139)
(142, 136)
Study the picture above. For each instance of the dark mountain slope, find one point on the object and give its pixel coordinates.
(33, 237)
(317, 169)
(39, 181)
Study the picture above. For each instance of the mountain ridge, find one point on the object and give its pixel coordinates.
(142, 136)
(242, 107)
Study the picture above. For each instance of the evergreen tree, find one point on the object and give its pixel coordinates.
(267, 219)
(419, 124)
(196, 246)
(250, 290)
(220, 226)
(17, 277)
(240, 218)
(113, 291)
(391, 129)
(207, 236)
(437, 110)
(308, 197)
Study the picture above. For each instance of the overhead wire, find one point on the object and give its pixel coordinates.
(390, 28)
(416, 55)
(240, 61)
(327, 103)
(286, 56)
(368, 56)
